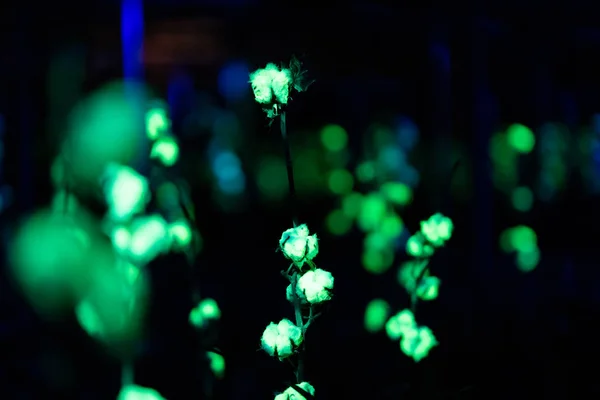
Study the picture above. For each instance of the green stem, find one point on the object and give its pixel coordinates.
(127, 374)
(288, 164)
(300, 324)
(413, 297)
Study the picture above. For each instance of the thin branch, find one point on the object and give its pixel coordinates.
(299, 323)
(413, 297)
(288, 165)
(127, 373)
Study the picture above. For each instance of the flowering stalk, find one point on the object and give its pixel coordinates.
(430, 225)
(205, 312)
(272, 86)
(417, 340)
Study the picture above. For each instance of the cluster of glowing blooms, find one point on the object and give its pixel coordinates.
(293, 394)
(142, 240)
(280, 340)
(522, 240)
(126, 192)
(135, 392)
(158, 129)
(427, 287)
(434, 233)
(415, 341)
(297, 245)
(520, 138)
(314, 287)
(216, 363)
(207, 310)
(376, 315)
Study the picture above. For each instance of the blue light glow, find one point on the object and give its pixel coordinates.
(132, 37)
(233, 80)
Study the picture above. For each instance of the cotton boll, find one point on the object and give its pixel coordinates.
(149, 238)
(135, 392)
(281, 84)
(126, 192)
(298, 246)
(269, 339)
(400, 323)
(316, 285)
(280, 339)
(292, 394)
(260, 81)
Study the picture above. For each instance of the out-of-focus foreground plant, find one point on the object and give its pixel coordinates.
(67, 258)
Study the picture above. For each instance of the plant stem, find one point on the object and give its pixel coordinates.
(127, 373)
(413, 297)
(300, 324)
(288, 164)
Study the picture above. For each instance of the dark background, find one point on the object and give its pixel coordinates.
(460, 73)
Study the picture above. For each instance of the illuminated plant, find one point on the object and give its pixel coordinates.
(309, 286)
(138, 237)
(102, 266)
(416, 340)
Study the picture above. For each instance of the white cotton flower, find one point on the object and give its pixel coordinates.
(126, 192)
(271, 84)
(149, 238)
(292, 394)
(281, 83)
(316, 285)
(261, 85)
(400, 323)
(135, 392)
(280, 339)
(297, 245)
